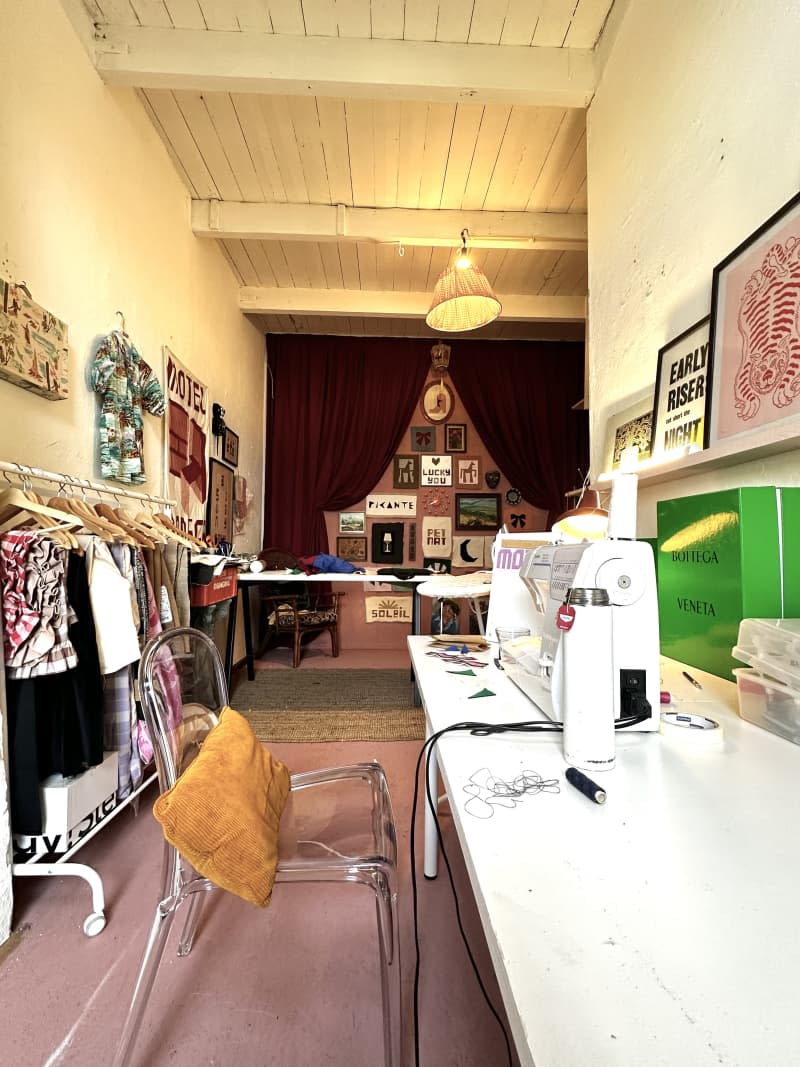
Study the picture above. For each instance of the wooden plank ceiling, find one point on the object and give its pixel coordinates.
(335, 149)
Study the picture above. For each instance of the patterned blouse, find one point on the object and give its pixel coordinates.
(127, 384)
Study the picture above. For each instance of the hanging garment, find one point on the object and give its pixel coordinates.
(176, 561)
(159, 573)
(110, 591)
(54, 716)
(36, 612)
(127, 385)
(120, 729)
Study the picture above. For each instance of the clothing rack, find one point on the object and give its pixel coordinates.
(34, 867)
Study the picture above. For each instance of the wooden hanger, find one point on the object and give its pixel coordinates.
(149, 521)
(167, 522)
(118, 517)
(90, 520)
(19, 509)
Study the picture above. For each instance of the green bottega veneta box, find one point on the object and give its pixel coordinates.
(723, 557)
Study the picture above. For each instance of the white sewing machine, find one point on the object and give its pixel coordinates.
(626, 569)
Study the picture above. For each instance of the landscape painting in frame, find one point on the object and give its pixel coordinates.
(352, 522)
(755, 330)
(477, 511)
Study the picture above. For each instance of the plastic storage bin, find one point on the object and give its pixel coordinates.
(770, 704)
(223, 587)
(772, 646)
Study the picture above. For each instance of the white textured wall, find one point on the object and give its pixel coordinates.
(692, 144)
(94, 218)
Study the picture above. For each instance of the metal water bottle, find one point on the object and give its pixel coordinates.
(588, 705)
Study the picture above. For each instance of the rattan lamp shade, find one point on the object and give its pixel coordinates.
(462, 300)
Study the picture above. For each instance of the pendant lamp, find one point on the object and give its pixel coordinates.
(462, 297)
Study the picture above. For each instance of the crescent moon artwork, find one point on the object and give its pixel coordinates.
(465, 554)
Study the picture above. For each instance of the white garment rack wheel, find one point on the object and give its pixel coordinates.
(95, 922)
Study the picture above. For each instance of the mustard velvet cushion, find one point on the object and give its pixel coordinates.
(224, 811)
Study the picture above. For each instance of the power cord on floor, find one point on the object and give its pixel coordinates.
(477, 729)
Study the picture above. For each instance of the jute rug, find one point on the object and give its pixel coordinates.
(283, 704)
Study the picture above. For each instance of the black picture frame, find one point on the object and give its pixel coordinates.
(230, 447)
(477, 512)
(455, 437)
(752, 291)
(680, 403)
(219, 507)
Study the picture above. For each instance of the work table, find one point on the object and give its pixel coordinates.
(659, 928)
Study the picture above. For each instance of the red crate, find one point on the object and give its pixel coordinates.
(220, 588)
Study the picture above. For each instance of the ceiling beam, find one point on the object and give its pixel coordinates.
(522, 230)
(368, 303)
(251, 62)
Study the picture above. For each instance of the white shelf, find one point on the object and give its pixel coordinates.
(771, 441)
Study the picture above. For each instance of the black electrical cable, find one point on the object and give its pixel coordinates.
(477, 729)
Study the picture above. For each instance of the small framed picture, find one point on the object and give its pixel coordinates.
(219, 517)
(468, 472)
(405, 472)
(437, 401)
(628, 426)
(455, 437)
(423, 438)
(352, 522)
(681, 400)
(477, 511)
(353, 549)
(230, 447)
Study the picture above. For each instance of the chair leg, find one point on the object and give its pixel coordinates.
(386, 905)
(334, 641)
(296, 656)
(156, 943)
(193, 913)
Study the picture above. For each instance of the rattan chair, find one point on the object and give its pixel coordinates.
(295, 616)
(340, 825)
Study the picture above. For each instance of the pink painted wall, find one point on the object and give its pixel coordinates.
(355, 631)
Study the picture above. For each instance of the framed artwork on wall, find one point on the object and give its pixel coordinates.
(477, 511)
(230, 447)
(219, 517)
(352, 548)
(405, 472)
(629, 425)
(352, 522)
(423, 439)
(680, 404)
(437, 402)
(468, 472)
(755, 318)
(455, 437)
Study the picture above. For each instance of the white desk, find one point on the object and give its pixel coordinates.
(247, 579)
(658, 929)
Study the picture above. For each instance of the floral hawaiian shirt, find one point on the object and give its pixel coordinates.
(127, 384)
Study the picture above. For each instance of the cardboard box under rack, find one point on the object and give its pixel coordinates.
(723, 557)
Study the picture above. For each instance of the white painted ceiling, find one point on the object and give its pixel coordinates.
(335, 149)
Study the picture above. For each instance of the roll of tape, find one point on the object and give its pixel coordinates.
(695, 730)
(256, 566)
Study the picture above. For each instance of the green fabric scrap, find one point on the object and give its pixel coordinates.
(468, 671)
(482, 693)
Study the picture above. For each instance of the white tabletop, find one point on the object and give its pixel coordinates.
(660, 928)
(329, 576)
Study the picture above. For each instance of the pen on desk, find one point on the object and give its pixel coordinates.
(585, 785)
(689, 678)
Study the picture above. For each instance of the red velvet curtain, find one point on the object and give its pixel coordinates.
(341, 406)
(519, 395)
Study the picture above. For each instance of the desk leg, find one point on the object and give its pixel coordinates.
(415, 629)
(248, 631)
(229, 641)
(430, 864)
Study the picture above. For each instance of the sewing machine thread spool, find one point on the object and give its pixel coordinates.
(588, 708)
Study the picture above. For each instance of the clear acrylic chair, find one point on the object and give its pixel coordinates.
(337, 827)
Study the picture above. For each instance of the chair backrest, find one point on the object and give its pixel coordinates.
(182, 689)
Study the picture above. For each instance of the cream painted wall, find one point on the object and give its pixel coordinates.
(94, 217)
(692, 144)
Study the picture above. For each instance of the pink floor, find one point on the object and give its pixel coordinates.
(293, 986)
